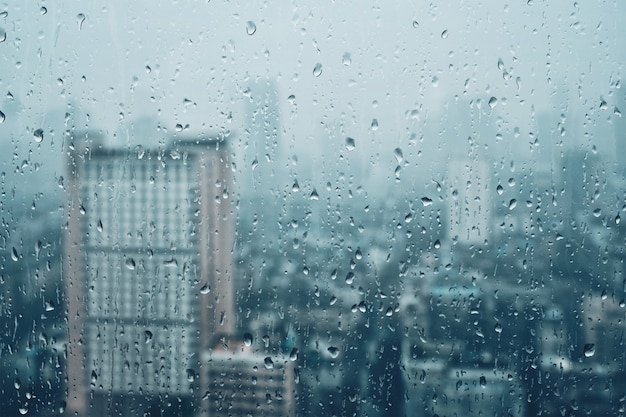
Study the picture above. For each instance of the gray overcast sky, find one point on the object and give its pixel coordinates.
(559, 56)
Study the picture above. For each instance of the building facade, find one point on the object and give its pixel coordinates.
(147, 271)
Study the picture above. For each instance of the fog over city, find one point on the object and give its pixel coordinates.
(356, 208)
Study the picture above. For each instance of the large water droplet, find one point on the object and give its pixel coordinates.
(38, 135)
(247, 339)
(416, 24)
(426, 201)
(250, 28)
(269, 363)
(80, 18)
(589, 350)
(350, 144)
(492, 102)
(317, 70)
(346, 59)
(43, 10)
(498, 328)
(99, 226)
(334, 352)
(444, 34)
(2, 117)
(512, 204)
(147, 336)
(14, 254)
(293, 355)
(397, 153)
(483, 381)
(130, 263)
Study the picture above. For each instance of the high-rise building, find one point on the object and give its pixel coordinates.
(147, 271)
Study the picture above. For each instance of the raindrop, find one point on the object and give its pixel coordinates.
(295, 187)
(3, 35)
(500, 64)
(314, 195)
(350, 278)
(346, 59)
(43, 10)
(269, 363)
(250, 28)
(597, 212)
(374, 125)
(130, 263)
(191, 375)
(23, 410)
(247, 339)
(498, 328)
(205, 289)
(293, 355)
(512, 204)
(617, 112)
(17, 384)
(426, 201)
(99, 226)
(589, 350)
(38, 135)
(444, 34)
(334, 352)
(49, 305)
(94, 377)
(80, 17)
(437, 244)
(2, 117)
(493, 102)
(398, 154)
(415, 24)
(350, 144)
(483, 381)
(603, 105)
(147, 336)
(317, 70)
(499, 189)
(171, 263)
(14, 254)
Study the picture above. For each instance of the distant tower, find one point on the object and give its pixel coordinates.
(469, 201)
(244, 383)
(147, 271)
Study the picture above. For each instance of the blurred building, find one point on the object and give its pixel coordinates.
(469, 201)
(147, 271)
(244, 383)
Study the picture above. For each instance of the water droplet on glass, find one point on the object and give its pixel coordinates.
(14, 254)
(374, 125)
(3, 35)
(493, 102)
(603, 105)
(293, 355)
(205, 289)
(334, 352)
(483, 381)
(444, 34)
(499, 189)
(617, 112)
(147, 336)
(94, 377)
(398, 154)
(314, 195)
(130, 263)
(80, 18)
(346, 59)
(512, 204)
(17, 384)
(498, 328)
(171, 263)
(350, 144)
(43, 10)
(2, 117)
(415, 24)
(437, 244)
(589, 350)
(23, 410)
(426, 201)
(500, 64)
(247, 339)
(317, 70)
(350, 278)
(269, 363)
(99, 226)
(250, 28)
(597, 212)
(295, 187)
(38, 135)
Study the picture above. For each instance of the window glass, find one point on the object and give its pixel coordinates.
(312, 208)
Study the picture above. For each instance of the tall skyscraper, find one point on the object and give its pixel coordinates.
(147, 271)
